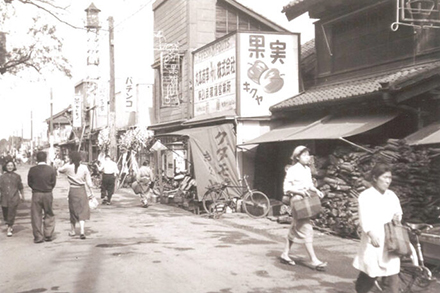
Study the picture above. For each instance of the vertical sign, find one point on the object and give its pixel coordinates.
(76, 111)
(268, 71)
(170, 78)
(170, 164)
(214, 77)
(130, 101)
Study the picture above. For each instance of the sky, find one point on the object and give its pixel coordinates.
(29, 94)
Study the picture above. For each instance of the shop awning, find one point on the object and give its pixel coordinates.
(330, 127)
(212, 117)
(427, 135)
(280, 133)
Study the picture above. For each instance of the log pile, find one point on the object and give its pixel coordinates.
(343, 175)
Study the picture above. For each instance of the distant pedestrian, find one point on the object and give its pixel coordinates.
(11, 192)
(42, 180)
(298, 183)
(110, 172)
(377, 206)
(144, 181)
(57, 163)
(2, 163)
(80, 182)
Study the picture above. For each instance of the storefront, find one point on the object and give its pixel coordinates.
(205, 153)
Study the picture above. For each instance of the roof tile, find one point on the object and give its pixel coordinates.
(357, 87)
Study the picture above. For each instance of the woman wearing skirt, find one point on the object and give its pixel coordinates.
(80, 181)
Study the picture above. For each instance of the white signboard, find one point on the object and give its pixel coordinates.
(129, 96)
(268, 71)
(215, 77)
(77, 111)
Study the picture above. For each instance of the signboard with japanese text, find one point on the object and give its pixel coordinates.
(213, 153)
(269, 71)
(129, 95)
(77, 111)
(170, 78)
(215, 77)
(169, 164)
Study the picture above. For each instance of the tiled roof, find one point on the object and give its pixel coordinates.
(307, 49)
(362, 86)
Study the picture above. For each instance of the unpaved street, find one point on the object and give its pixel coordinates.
(163, 249)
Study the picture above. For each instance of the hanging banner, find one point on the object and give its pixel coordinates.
(129, 95)
(213, 152)
(77, 111)
(269, 71)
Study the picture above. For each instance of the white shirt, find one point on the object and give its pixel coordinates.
(298, 176)
(375, 210)
(109, 167)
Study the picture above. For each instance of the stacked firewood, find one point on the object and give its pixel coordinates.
(344, 174)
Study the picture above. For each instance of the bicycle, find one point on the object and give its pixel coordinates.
(414, 275)
(217, 199)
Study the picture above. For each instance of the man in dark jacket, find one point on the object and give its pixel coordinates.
(42, 179)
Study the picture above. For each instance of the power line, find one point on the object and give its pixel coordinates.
(134, 13)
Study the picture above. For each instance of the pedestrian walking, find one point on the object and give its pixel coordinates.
(144, 182)
(110, 172)
(298, 183)
(377, 206)
(42, 179)
(80, 182)
(11, 192)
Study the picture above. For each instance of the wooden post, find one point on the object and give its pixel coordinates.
(112, 100)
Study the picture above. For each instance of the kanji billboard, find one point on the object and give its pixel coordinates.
(246, 72)
(215, 77)
(269, 71)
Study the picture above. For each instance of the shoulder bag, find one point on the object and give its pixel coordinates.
(397, 239)
(306, 207)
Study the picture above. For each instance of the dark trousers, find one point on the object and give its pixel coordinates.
(365, 283)
(9, 214)
(108, 186)
(42, 225)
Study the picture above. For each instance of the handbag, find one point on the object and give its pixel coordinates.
(93, 203)
(306, 207)
(397, 239)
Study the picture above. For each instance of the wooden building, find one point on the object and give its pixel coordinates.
(191, 99)
(375, 76)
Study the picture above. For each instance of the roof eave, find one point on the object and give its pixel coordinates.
(257, 16)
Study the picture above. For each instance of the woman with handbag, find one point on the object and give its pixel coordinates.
(377, 206)
(298, 184)
(79, 179)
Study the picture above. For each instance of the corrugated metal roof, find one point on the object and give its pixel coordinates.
(362, 86)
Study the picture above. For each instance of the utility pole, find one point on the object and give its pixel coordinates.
(32, 141)
(112, 101)
(51, 154)
(51, 118)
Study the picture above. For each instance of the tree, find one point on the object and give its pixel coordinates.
(38, 48)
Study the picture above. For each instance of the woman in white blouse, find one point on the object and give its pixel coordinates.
(79, 179)
(377, 206)
(299, 183)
